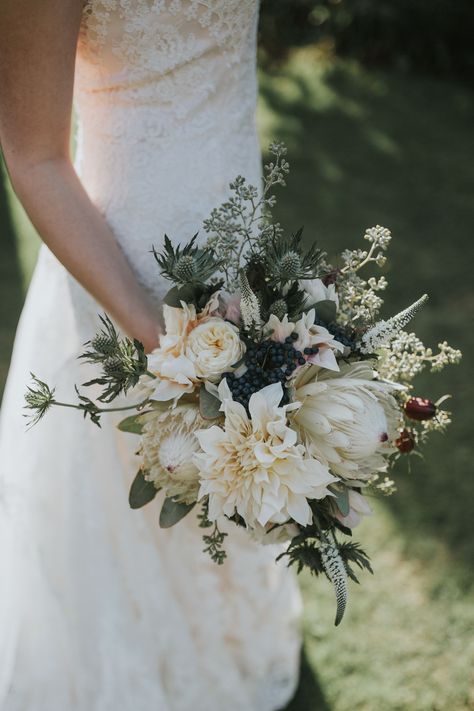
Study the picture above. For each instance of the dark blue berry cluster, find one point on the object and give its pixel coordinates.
(340, 333)
(267, 362)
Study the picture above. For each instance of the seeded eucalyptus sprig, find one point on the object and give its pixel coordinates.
(243, 223)
(190, 265)
(123, 361)
(214, 541)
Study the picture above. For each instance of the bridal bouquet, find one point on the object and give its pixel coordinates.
(276, 399)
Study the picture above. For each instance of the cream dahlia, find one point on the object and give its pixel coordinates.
(168, 445)
(254, 465)
(348, 422)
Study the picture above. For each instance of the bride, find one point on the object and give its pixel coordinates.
(100, 609)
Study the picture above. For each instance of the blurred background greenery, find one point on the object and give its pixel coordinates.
(375, 101)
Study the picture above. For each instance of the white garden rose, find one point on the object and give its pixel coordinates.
(175, 374)
(213, 347)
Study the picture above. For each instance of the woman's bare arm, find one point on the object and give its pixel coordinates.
(37, 57)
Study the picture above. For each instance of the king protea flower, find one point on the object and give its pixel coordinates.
(348, 422)
(168, 444)
(254, 465)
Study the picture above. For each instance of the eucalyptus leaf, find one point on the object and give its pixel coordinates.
(342, 500)
(208, 405)
(326, 311)
(172, 512)
(173, 297)
(132, 424)
(141, 491)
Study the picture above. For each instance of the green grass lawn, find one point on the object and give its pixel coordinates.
(369, 148)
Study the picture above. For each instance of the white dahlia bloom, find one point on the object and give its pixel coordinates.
(309, 335)
(213, 347)
(168, 444)
(348, 422)
(254, 465)
(316, 291)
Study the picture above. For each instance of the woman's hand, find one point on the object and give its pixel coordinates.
(37, 57)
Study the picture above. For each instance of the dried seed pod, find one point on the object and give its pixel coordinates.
(420, 408)
(405, 443)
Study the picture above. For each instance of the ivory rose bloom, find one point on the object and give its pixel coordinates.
(174, 371)
(213, 347)
(254, 465)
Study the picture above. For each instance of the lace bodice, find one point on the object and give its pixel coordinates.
(166, 94)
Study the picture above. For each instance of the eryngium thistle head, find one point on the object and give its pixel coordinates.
(39, 399)
(112, 366)
(290, 266)
(279, 308)
(185, 269)
(104, 344)
(188, 264)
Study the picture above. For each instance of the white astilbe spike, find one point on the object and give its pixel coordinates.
(383, 331)
(249, 306)
(336, 571)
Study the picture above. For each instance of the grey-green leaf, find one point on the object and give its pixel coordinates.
(342, 500)
(172, 512)
(208, 405)
(132, 424)
(326, 311)
(141, 491)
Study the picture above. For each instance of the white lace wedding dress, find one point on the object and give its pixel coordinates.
(100, 610)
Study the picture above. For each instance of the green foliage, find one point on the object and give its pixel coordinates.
(141, 491)
(242, 225)
(172, 512)
(132, 424)
(189, 265)
(209, 405)
(326, 311)
(122, 361)
(287, 260)
(213, 542)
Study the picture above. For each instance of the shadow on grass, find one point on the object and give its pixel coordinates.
(11, 283)
(367, 149)
(309, 695)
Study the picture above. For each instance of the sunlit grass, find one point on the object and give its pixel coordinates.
(369, 148)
